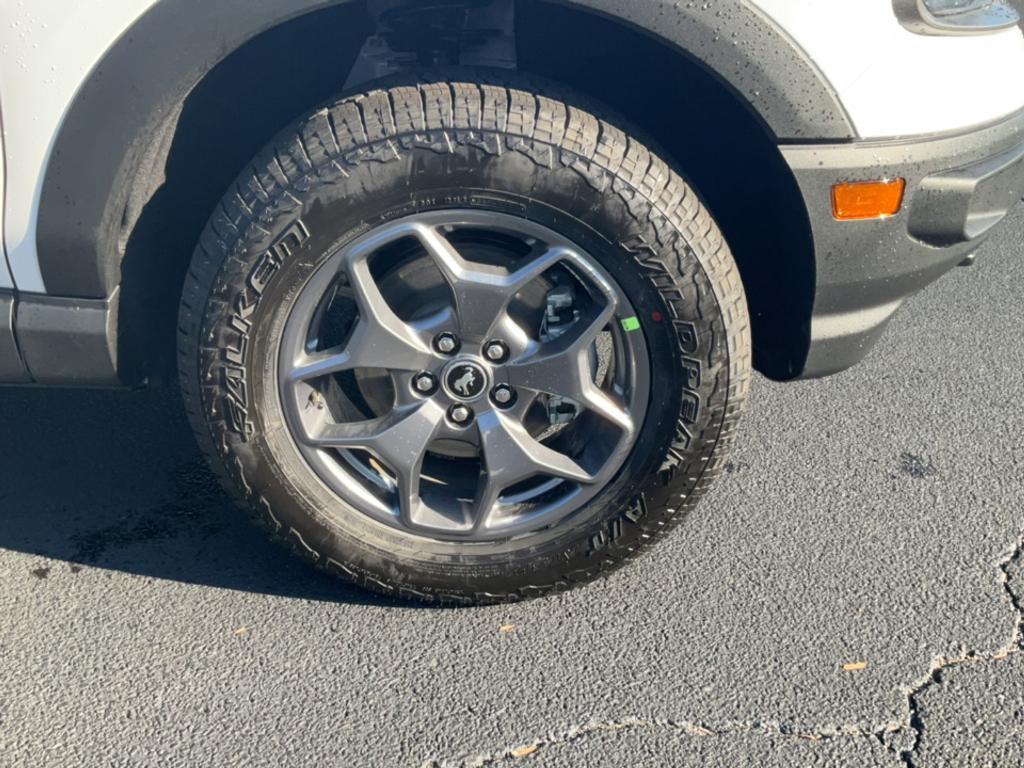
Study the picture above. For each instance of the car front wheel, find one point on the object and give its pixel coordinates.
(463, 341)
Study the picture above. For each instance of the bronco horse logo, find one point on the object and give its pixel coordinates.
(465, 384)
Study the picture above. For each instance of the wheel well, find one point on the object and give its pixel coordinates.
(708, 131)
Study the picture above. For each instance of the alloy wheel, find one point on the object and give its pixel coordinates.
(464, 375)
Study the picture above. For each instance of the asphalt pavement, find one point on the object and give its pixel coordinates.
(849, 595)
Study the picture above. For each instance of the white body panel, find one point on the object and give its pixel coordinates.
(47, 50)
(5, 276)
(897, 83)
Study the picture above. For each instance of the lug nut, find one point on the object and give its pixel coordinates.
(460, 414)
(424, 383)
(446, 343)
(503, 394)
(496, 352)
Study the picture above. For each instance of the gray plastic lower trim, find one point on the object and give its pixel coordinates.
(68, 342)
(958, 188)
(12, 370)
(840, 340)
(962, 205)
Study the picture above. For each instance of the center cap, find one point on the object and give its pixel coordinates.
(465, 380)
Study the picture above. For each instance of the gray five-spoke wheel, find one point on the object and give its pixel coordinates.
(463, 375)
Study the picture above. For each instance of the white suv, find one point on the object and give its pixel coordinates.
(464, 296)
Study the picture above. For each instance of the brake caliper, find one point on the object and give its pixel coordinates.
(559, 315)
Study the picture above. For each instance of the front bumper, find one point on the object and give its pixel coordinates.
(958, 189)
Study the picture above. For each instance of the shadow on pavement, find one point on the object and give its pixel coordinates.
(114, 480)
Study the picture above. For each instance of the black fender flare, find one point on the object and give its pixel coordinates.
(119, 126)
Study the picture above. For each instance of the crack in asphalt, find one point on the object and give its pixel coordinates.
(900, 738)
(1014, 555)
(699, 730)
(915, 722)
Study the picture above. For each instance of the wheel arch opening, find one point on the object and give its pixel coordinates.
(707, 130)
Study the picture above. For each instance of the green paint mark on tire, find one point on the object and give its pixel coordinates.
(630, 324)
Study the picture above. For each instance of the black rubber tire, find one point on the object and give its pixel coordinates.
(394, 151)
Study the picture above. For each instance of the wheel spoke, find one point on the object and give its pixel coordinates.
(400, 440)
(381, 335)
(511, 455)
(483, 292)
(562, 368)
(380, 339)
(607, 407)
(317, 364)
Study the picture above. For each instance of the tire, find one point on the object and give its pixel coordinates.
(374, 158)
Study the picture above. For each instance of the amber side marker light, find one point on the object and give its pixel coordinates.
(859, 200)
